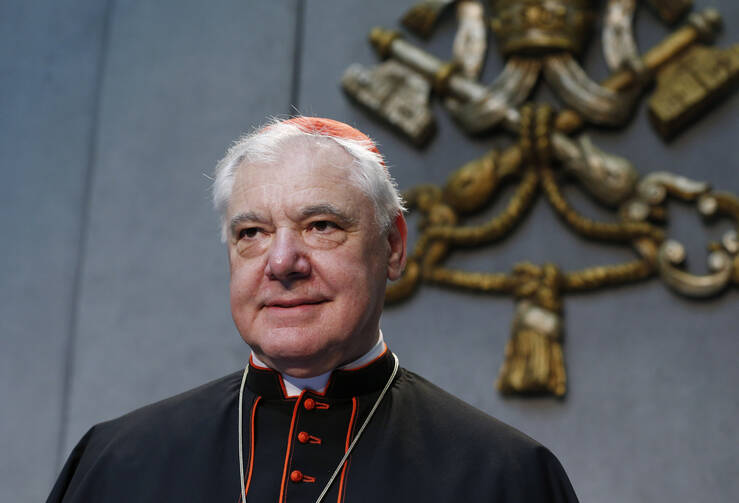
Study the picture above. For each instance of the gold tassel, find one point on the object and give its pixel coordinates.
(534, 362)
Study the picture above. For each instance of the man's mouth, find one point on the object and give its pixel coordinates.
(293, 303)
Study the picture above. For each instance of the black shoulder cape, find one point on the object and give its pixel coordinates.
(422, 445)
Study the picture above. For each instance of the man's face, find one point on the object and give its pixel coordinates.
(308, 260)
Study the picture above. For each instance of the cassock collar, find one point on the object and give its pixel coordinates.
(343, 383)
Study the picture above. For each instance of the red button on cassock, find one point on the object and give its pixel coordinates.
(296, 476)
(303, 437)
(309, 404)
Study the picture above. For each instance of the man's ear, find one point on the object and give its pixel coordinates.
(396, 238)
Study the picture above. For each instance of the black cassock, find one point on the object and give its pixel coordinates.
(421, 445)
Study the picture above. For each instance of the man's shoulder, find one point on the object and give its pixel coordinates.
(480, 457)
(439, 410)
(194, 408)
(139, 451)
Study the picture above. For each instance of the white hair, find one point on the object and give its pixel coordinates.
(368, 172)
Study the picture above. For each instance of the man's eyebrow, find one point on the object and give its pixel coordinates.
(247, 216)
(327, 209)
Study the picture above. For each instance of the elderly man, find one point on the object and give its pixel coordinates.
(322, 412)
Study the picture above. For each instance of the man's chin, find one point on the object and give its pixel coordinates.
(300, 366)
(295, 354)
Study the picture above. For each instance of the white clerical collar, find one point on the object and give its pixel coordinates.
(295, 385)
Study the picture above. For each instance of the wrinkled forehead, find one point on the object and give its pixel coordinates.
(300, 165)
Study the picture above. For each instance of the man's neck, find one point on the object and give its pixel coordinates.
(296, 385)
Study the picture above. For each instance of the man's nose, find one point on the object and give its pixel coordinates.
(287, 260)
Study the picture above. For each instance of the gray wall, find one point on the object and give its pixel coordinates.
(114, 284)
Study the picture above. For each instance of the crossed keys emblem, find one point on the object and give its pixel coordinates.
(540, 39)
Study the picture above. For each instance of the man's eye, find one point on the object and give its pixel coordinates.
(323, 225)
(249, 232)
